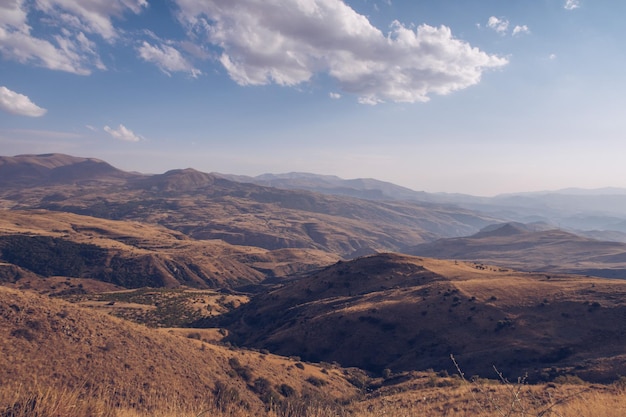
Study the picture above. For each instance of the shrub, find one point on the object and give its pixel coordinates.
(286, 390)
(317, 382)
(569, 380)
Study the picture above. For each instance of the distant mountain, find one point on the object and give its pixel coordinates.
(205, 206)
(177, 180)
(532, 248)
(55, 168)
(576, 209)
(404, 313)
(366, 188)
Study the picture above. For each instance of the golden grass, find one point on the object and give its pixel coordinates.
(470, 399)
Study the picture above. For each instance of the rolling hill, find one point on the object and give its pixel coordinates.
(530, 249)
(403, 313)
(134, 254)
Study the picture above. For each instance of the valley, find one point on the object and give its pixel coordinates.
(188, 291)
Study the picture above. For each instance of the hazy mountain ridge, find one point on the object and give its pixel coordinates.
(205, 206)
(30, 170)
(577, 209)
(529, 248)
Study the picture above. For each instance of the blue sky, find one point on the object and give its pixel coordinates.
(470, 96)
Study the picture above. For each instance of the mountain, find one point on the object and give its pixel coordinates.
(404, 313)
(530, 249)
(365, 188)
(29, 170)
(204, 206)
(600, 212)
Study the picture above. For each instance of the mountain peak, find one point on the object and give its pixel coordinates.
(179, 180)
(56, 168)
(503, 229)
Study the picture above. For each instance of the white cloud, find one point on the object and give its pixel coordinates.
(571, 4)
(123, 133)
(18, 104)
(93, 16)
(334, 96)
(518, 30)
(69, 22)
(497, 24)
(167, 58)
(286, 42)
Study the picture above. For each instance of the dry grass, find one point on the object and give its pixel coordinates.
(51, 349)
(471, 399)
(172, 254)
(404, 313)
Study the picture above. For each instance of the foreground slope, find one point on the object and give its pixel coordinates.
(49, 343)
(402, 313)
(526, 248)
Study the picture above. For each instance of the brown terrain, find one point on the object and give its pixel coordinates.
(528, 249)
(51, 343)
(402, 313)
(206, 206)
(187, 294)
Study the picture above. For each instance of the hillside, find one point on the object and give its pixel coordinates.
(403, 313)
(527, 249)
(105, 357)
(134, 254)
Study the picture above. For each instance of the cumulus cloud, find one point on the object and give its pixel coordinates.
(18, 104)
(286, 42)
(93, 16)
(167, 58)
(500, 25)
(70, 24)
(571, 4)
(334, 96)
(520, 29)
(122, 133)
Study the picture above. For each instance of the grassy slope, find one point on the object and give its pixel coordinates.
(166, 257)
(403, 313)
(50, 343)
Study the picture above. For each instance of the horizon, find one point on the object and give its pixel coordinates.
(440, 96)
(565, 191)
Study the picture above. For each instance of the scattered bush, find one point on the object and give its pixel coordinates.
(317, 382)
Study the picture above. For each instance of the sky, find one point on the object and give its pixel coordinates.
(477, 97)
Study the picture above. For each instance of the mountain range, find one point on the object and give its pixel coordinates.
(599, 213)
(315, 266)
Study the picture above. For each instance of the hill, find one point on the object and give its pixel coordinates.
(404, 313)
(49, 343)
(530, 249)
(134, 254)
